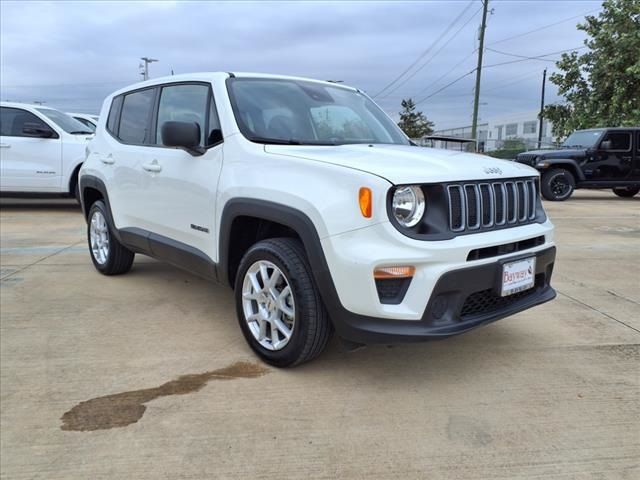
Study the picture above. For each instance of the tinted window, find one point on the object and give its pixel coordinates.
(619, 140)
(12, 121)
(183, 103)
(134, 120)
(65, 122)
(114, 114)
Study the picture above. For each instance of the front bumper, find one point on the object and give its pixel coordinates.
(449, 294)
(461, 300)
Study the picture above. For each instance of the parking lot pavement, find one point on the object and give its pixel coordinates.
(171, 390)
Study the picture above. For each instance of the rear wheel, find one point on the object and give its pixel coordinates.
(109, 256)
(278, 304)
(626, 191)
(557, 184)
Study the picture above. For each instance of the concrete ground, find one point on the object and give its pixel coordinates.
(171, 390)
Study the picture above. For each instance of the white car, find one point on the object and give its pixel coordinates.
(88, 120)
(313, 205)
(41, 150)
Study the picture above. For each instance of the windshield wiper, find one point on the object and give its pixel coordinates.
(291, 141)
(81, 132)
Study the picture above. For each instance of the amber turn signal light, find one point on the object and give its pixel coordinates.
(381, 273)
(366, 202)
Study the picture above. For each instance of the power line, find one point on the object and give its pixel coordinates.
(427, 51)
(518, 56)
(538, 57)
(414, 73)
(544, 27)
(445, 87)
(446, 74)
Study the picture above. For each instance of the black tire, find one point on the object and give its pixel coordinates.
(119, 258)
(626, 192)
(312, 328)
(557, 185)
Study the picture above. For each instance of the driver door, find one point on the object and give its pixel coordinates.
(29, 161)
(614, 156)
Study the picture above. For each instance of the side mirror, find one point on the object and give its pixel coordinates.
(33, 129)
(182, 135)
(606, 145)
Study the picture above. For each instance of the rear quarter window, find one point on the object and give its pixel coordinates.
(114, 115)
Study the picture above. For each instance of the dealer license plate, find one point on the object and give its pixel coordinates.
(518, 276)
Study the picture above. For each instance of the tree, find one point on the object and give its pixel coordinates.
(413, 123)
(601, 88)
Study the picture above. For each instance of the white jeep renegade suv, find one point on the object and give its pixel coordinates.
(311, 203)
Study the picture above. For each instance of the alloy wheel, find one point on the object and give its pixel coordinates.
(268, 305)
(99, 237)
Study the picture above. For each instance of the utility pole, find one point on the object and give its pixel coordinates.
(544, 79)
(476, 99)
(147, 61)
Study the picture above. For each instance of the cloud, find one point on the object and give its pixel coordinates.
(72, 54)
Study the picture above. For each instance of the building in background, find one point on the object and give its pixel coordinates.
(507, 131)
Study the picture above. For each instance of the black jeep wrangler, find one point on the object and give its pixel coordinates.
(595, 158)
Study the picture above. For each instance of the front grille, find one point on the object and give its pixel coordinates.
(489, 205)
(488, 301)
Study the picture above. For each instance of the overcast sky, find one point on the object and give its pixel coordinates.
(72, 54)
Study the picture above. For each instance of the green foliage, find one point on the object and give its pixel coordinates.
(413, 123)
(601, 88)
(514, 144)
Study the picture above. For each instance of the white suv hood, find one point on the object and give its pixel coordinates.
(401, 164)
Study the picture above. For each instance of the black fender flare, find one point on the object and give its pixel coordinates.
(289, 217)
(563, 162)
(91, 181)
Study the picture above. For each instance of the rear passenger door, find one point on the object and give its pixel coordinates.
(129, 125)
(180, 188)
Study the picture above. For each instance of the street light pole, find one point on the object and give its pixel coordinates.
(147, 61)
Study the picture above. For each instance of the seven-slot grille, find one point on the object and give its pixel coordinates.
(490, 205)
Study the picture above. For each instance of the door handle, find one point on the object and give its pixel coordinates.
(108, 160)
(5, 145)
(152, 167)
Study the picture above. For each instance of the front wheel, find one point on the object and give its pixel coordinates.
(109, 256)
(626, 191)
(278, 304)
(557, 185)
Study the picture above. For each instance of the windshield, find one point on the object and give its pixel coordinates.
(307, 113)
(87, 123)
(65, 122)
(582, 139)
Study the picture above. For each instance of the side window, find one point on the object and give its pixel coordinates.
(183, 103)
(12, 122)
(620, 141)
(114, 114)
(136, 116)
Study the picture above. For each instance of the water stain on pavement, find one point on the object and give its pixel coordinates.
(122, 409)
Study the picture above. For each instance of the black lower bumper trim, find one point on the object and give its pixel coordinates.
(449, 311)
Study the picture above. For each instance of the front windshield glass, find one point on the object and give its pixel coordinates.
(582, 139)
(298, 112)
(87, 123)
(65, 122)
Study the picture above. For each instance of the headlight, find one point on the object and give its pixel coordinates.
(408, 205)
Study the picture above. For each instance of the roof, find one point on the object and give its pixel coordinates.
(24, 104)
(210, 76)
